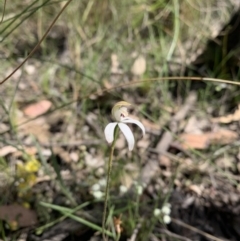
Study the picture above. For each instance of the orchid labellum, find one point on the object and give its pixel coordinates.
(120, 114)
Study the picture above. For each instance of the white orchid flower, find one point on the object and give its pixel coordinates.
(120, 113)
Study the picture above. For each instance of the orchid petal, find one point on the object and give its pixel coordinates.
(128, 135)
(109, 132)
(138, 123)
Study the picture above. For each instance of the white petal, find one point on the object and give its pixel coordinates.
(109, 132)
(138, 123)
(128, 135)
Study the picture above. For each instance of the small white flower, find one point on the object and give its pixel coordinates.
(98, 194)
(139, 189)
(166, 209)
(120, 113)
(123, 189)
(166, 219)
(95, 187)
(157, 212)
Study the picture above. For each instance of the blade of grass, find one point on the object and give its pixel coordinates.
(48, 225)
(176, 29)
(67, 212)
(4, 9)
(15, 18)
(39, 43)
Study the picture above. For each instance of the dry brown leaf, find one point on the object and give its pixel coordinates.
(228, 118)
(38, 108)
(11, 149)
(196, 189)
(16, 213)
(7, 150)
(194, 141)
(223, 136)
(32, 150)
(38, 128)
(139, 66)
(196, 125)
(202, 141)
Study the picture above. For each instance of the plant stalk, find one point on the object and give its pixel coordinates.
(116, 131)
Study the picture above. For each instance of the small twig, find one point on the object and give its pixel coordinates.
(54, 144)
(38, 44)
(207, 235)
(174, 235)
(135, 232)
(70, 144)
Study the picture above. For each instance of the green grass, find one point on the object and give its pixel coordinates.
(74, 61)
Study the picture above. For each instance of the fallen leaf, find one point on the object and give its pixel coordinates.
(38, 128)
(196, 125)
(139, 66)
(203, 140)
(7, 150)
(228, 118)
(223, 136)
(194, 141)
(197, 189)
(16, 213)
(17, 152)
(38, 108)
(32, 150)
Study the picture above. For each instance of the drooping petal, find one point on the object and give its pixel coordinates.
(128, 135)
(109, 132)
(138, 123)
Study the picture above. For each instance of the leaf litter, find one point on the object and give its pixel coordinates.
(204, 186)
(201, 185)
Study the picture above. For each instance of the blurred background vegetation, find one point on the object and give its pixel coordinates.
(55, 157)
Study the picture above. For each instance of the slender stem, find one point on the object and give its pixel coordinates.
(176, 29)
(38, 44)
(108, 182)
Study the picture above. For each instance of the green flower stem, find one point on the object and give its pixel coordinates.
(116, 131)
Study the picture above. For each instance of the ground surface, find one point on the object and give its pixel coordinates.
(181, 181)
